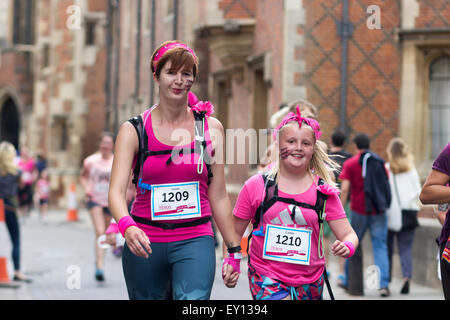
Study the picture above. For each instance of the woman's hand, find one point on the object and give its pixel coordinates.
(138, 242)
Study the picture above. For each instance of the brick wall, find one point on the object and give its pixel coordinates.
(373, 69)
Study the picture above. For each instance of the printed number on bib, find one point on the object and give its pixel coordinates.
(175, 201)
(285, 244)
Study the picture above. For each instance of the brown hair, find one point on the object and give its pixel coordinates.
(180, 58)
(400, 158)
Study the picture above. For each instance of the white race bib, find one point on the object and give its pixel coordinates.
(175, 201)
(285, 244)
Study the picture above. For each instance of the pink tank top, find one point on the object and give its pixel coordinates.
(178, 193)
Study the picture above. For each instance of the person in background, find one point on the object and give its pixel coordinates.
(338, 154)
(43, 194)
(28, 175)
(365, 178)
(95, 176)
(405, 185)
(436, 190)
(9, 180)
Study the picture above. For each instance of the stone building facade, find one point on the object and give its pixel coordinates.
(380, 67)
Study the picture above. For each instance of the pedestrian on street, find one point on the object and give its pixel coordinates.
(28, 175)
(287, 206)
(405, 188)
(43, 194)
(9, 181)
(436, 190)
(179, 188)
(95, 177)
(366, 178)
(338, 154)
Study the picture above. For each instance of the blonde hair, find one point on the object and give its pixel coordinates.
(7, 159)
(400, 158)
(321, 164)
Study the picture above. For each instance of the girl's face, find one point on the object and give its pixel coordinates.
(296, 146)
(175, 84)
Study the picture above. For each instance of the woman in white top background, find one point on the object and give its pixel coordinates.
(405, 189)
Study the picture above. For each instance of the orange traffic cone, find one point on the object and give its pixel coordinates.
(5, 281)
(72, 212)
(244, 245)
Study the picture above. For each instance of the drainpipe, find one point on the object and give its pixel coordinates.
(345, 31)
(152, 48)
(117, 67)
(138, 55)
(175, 20)
(109, 41)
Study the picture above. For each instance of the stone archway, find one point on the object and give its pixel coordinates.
(9, 122)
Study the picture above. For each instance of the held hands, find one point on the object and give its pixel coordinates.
(343, 249)
(231, 268)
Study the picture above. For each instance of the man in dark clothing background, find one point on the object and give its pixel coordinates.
(366, 179)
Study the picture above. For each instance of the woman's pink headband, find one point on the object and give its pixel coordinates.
(290, 117)
(172, 45)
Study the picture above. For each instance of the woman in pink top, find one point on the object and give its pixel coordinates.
(95, 177)
(168, 233)
(286, 256)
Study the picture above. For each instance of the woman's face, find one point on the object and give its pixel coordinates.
(175, 84)
(296, 146)
(106, 145)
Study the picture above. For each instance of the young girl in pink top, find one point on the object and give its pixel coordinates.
(286, 255)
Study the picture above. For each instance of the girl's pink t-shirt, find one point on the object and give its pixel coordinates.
(27, 168)
(249, 199)
(98, 179)
(156, 171)
(43, 187)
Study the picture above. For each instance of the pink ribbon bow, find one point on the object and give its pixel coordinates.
(298, 117)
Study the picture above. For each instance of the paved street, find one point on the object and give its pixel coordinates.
(54, 253)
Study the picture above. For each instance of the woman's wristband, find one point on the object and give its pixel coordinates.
(350, 247)
(234, 249)
(124, 223)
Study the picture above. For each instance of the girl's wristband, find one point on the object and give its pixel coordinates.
(350, 247)
(124, 223)
(113, 228)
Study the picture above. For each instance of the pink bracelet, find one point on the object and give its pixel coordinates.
(113, 228)
(234, 260)
(124, 223)
(350, 247)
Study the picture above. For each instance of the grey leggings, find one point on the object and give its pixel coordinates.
(190, 265)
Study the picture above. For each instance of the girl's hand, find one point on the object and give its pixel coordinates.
(138, 242)
(230, 277)
(111, 239)
(340, 249)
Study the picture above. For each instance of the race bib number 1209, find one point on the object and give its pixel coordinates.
(175, 201)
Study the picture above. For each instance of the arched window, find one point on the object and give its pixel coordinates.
(439, 104)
